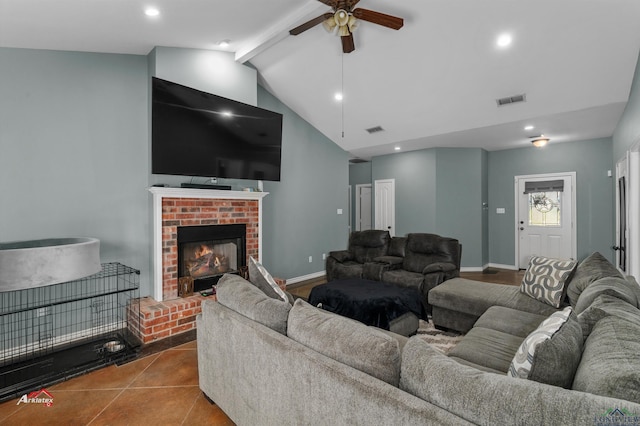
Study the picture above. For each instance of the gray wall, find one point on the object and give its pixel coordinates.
(415, 185)
(300, 212)
(459, 198)
(440, 191)
(627, 133)
(73, 150)
(595, 193)
(75, 158)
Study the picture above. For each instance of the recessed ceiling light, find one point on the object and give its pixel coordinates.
(224, 43)
(227, 113)
(338, 96)
(151, 11)
(504, 40)
(397, 148)
(529, 127)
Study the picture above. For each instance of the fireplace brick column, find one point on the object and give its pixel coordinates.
(164, 314)
(201, 211)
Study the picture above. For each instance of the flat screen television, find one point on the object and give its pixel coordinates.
(194, 133)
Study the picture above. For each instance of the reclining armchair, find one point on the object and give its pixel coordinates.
(428, 260)
(364, 247)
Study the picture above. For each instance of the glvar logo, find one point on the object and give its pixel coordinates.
(41, 396)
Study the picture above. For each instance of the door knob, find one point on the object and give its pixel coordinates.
(522, 222)
(522, 228)
(388, 227)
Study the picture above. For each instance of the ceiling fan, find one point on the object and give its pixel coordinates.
(345, 18)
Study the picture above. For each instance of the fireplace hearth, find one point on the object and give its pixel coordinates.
(206, 252)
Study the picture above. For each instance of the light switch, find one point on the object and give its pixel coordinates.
(339, 211)
(500, 210)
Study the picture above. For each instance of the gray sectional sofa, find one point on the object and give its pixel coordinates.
(264, 361)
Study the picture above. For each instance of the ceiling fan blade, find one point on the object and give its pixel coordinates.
(330, 3)
(347, 43)
(310, 24)
(351, 4)
(388, 21)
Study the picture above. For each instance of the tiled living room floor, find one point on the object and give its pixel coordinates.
(157, 389)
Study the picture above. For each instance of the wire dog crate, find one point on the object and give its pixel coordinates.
(59, 331)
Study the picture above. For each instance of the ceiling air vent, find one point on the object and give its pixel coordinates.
(375, 129)
(511, 99)
(357, 161)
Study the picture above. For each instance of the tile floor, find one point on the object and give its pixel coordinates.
(156, 389)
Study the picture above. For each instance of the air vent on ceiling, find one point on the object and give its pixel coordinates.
(375, 129)
(511, 99)
(357, 161)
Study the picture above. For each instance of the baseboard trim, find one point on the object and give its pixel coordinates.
(501, 266)
(301, 278)
(471, 268)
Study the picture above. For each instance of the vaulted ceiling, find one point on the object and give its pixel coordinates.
(433, 83)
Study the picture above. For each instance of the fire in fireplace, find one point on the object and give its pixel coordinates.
(206, 252)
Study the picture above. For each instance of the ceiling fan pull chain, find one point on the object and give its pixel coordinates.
(342, 89)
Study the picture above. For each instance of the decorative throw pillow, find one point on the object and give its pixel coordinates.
(523, 360)
(545, 279)
(262, 279)
(591, 269)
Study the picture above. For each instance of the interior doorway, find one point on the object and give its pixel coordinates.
(385, 205)
(627, 213)
(545, 217)
(363, 207)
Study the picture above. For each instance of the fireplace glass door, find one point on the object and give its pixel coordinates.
(207, 252)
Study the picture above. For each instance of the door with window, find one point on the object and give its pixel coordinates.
(545, 206)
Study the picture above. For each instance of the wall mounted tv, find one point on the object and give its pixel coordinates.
(194, 133)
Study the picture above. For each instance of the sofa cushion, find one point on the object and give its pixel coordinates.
(369, 244)
(348, 341)
(612, 286)
(510, 321)
(397, 246)
(475, 297)
(238, 294)
(425, 249)
(489, 348)
(558, 359)
(592, 268)
(603, 306)
(610, 363)
(545, 279)
(262, 279)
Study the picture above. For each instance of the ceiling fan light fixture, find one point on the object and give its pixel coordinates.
(539, 142)
(341, 17)
(343, 31)
(353, 23)
(329, 24)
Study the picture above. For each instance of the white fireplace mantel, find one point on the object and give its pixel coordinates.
(168, 192)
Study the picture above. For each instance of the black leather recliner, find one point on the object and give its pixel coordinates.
(364, 247)
(429, 260)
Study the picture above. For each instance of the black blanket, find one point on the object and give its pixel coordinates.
(371, 302)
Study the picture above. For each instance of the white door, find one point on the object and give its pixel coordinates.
(385, 205)
(545, 206)
(363, 207)
(622, 214)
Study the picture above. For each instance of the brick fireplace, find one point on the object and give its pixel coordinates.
(165, 314)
